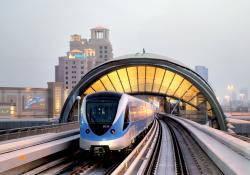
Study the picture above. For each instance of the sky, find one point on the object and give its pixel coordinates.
(213, 33)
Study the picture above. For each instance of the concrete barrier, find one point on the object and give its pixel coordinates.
(230, 154)
(21, 157)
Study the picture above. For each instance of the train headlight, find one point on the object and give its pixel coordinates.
(87, 131)
(112, 131)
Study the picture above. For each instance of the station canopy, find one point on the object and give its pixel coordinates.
(151, 74)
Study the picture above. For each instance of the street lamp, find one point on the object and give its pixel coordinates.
(242, 96)
(78, 98)
(231, 90)
(230, 87)
(227, 97)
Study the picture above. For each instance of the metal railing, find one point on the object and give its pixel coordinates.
(30, 131)
(133, 159)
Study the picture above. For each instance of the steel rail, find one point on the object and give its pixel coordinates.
(85, 168)
(180, 165)
(112, 168)
(153, 155)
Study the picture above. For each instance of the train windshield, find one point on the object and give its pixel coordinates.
(101, 111)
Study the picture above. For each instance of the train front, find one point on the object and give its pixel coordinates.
(100, 122)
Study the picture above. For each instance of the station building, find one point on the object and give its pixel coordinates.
(175, 87)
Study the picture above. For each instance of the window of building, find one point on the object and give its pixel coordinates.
(82, 67)
(106, 51)
(106, 47)
(81, 72)
(66, 72)
(82, 62)
(73, 72)
(100, 51)
(100, 47)
(73, 67)
(66, 62)
(66, 67)
(66, 78)
(67, 87)
(105, 56)
(100, 56)
(66, 82)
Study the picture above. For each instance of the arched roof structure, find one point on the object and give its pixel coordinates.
(148, 74)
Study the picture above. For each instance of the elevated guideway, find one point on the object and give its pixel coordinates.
(18, 154)
(36, 130)
(231, 155)
(173, 145)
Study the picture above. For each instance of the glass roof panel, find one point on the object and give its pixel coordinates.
(89, 91)
(166, 81)
(159, 74)
(150, 79)
(194, 101)
(115, 81)
(98, 86)
(190, 108)
(175, 84)
(106, 82)
(208, 106)
(183, 88)
(132, 73)
(141, 78)
(190, 93)
(146, 78)
(124, 77)
(150, 75)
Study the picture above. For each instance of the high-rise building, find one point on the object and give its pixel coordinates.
(202, 71)
(83, 55)
(244, 94)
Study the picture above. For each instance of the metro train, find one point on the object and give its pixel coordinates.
(112, 121)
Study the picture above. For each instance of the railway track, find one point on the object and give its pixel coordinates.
(180, 165)
(155, 154)
(112, 168)
(190, 158)
(143, 159)
(84, 168)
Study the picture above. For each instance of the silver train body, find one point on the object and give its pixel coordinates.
(112, 120)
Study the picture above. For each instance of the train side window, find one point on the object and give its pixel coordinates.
(126, 118)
